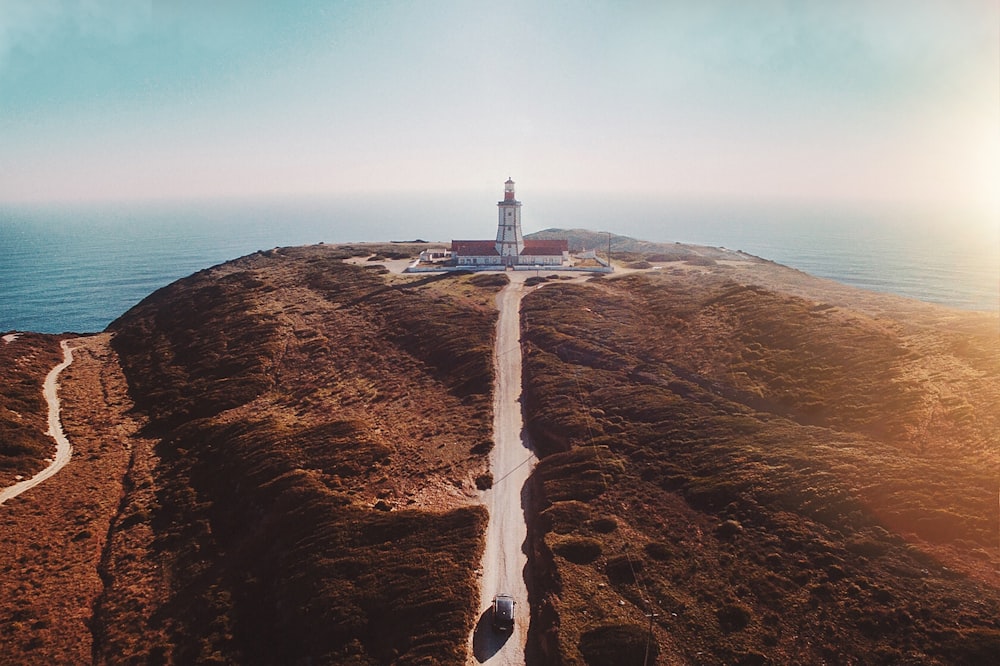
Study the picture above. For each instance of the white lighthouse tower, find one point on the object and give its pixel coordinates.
(510, 244)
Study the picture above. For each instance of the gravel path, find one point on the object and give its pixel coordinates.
(504, 560)
(63, 448)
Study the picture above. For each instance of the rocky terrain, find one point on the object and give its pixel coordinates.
(277, 460)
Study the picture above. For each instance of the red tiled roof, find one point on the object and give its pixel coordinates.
(474, 248)
(545, 247)
(487, 248)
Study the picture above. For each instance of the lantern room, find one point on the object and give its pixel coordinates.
(508, 190)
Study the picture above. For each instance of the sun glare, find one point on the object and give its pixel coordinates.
(989, 170)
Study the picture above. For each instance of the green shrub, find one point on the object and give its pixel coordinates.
(733, 617)
(482, 448)
(710, 494)
(622, 569)
(564, 517)
(488, 280)
(971, 648)
(866, 547)
(659, 550)
(581, 473)
(604, 525)
(727, 529)
(579, 550)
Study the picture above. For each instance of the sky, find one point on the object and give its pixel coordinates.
(854, 100)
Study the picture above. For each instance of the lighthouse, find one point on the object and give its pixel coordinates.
(509, 244)
(511, 250)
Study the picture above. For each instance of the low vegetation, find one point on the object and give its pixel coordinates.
(23, 412)
(733, 469)
(51, 537)
(321, 430)
(734, 474)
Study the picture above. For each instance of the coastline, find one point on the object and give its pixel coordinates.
(108, 259)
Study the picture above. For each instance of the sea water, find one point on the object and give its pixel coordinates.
(77, 268)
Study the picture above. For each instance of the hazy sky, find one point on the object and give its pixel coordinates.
(829, 99)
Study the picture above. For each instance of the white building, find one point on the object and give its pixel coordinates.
(510, 248)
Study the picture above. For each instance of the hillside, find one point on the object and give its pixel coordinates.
(626, 250)
(321, 428)
(776, 479)
(303, 439)
(276, 460)
(25, 358)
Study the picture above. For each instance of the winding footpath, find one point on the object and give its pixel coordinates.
(512, 459)
(63, 448)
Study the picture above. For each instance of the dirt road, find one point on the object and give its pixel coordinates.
(63, 448)
(504, 560)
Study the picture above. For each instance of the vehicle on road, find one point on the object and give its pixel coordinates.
(503, 613)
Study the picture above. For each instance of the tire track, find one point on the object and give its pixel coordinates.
(512, 460)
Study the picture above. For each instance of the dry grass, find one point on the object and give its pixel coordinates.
(23, 413)
(778, 479)
(53, 536)
(321, 430)
(782, 469)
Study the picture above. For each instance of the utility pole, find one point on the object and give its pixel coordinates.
(649, 638)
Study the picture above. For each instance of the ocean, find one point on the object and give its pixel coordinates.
(77, 268)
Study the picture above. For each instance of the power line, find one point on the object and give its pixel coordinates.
(605, 475)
